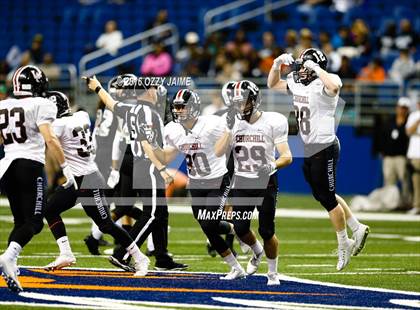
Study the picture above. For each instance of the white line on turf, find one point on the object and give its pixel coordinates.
(295, 213)
(311, 265)
(396, 236)
(341, 273)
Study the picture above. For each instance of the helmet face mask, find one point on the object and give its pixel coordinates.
(29, 81)
(246, 99)
(304, 75)
(185, 106)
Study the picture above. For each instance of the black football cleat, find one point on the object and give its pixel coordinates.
(120, 263)
(170, 265)
(92, 245)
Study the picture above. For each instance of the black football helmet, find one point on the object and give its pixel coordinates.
(227, 92)
(190, 100)
(29, 81)
(303, 75)
(61, 101)
(246, 99)
(123, 87)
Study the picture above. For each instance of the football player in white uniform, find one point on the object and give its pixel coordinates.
(254, 136)
(315, 97)
(25, 129)
(73, 131)
(194, 135)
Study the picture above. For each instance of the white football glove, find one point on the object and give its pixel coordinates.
(286, 59)
(114, 178)
(162, 91)
(311, 65)
(267, 169)
(69, 177)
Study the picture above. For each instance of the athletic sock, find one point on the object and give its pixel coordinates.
(232, 261)
(342, 237)
(134, 251)
(353, 223)
(64, 246)
(150, 244)
(257, 248)
(272, 264)
(96, 233)
(12, 252)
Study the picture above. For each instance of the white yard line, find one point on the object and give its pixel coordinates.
(294, 213)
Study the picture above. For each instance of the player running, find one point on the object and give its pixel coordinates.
(25, 129)
(315, 97)
(254, 136)
(73, 131)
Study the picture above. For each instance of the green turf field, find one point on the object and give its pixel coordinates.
(306, 248)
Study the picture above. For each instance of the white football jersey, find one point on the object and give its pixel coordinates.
(19, 121)
(254, 144)
(76, 140)
(315, 110)
(198, 146)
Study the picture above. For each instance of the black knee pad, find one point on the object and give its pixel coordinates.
(37, 226)
(266, 232)
(328, 201)
(242, 227)
(209, 226)
(106, 227)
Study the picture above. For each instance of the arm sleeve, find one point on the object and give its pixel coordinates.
(45, 111)
(58, 128)
(280, 129)
(168, 139)
(116, 152)
(219, 128)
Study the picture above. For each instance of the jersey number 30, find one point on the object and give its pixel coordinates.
(18, 114)
(197, 163)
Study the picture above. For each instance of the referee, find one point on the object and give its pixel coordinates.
(149, 174)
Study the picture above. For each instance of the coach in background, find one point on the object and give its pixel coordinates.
(413, 131)
(392, 142)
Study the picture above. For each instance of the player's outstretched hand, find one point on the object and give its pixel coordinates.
(266, 169)
(70, 180)
(230, 118)
(92, 82)
(285, 58)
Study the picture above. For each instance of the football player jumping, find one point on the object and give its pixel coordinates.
(315, 97)
(25, 129)
(73, 131)
(254, 136)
